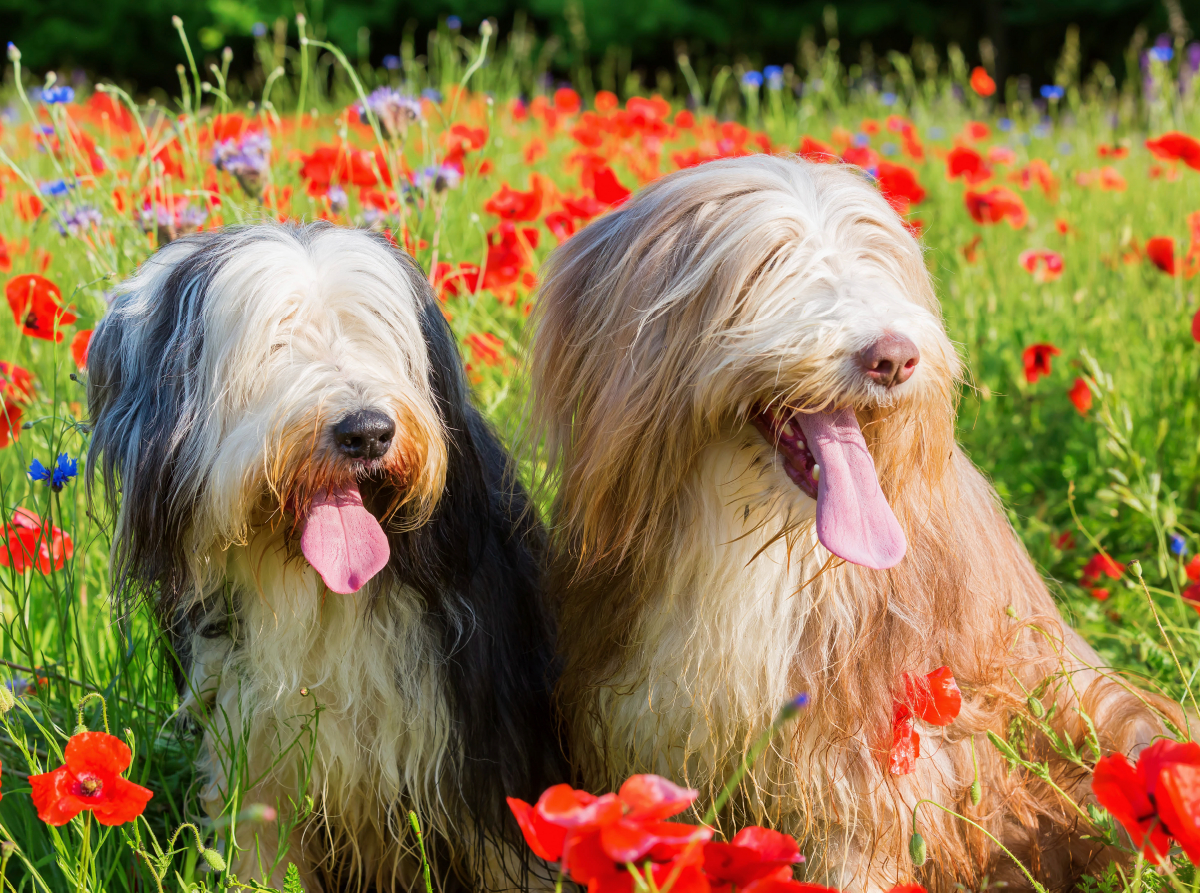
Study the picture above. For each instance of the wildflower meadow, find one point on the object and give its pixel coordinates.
(1061, 223)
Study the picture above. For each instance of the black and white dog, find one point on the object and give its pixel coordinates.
(331, 538)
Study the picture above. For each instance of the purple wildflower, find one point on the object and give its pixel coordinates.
(248, 159)
(395, 110)
(80, 220)
(438, 178)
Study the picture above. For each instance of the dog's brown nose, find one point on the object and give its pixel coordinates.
(890, 360)
(365, 434)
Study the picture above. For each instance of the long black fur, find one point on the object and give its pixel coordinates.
(477, 563)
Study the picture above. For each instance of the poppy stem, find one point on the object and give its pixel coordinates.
(1025, 871)
(79, 726)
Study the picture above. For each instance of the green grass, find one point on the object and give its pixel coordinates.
(1129, 469)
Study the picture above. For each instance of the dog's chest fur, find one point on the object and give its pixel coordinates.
(355, 678)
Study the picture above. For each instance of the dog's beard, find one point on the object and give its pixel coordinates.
(825, 455)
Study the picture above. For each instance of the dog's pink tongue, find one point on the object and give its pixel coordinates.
(343, 541)
(854, 520)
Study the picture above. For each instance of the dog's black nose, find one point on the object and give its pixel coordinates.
(890, 360)
(365, 434)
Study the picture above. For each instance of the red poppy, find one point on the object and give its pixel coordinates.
(1196, 327)
(1176, 146)
(1045, 265)
(1161, 251)
(1062, 226)
(997, 204)
(981, 81)
(1105, 151)
(28, 205)
(1192, 569)
(906, 743)
(1191, 595)
(1036, 360)
(1099, 594)
(970, 251)
(561, 225)
(899, 186)
(965, 162)
(566, 101)
(862, 156)
(753, 853)
(606, 101)
(342, 164)
(79, 348)
(934, 697)
(36, 306)
(10, 425)
(486, 350)
(1037, 173)
(815, 150)
(685, 120)
(596, 837)
(1001, 155)
(1081, 395)
(28, 541)
(90, 779)
(512, 204)
(15, 383)
(974, 131)
(607, 188)
(1098, 564)
(1157, 799)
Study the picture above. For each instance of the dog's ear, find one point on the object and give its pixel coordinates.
(144, 400)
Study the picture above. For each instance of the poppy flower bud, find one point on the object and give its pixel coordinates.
(14, 55)
(916, 849)
(976, 792)
(176, 22)
(214, 859)
(7, 701)
(1036, 707)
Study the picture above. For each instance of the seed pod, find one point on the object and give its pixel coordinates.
(976, 792)
(1036, 707)
(916, 849)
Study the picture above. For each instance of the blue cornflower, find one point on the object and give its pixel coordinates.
(936, 133)
(1065, 148)
(55, 95)
(861, 139)
(1177, 545)
(752, 80)
(454, 23)
(774, 76)
(391, 62)
(1005, 124)
(56, 187)
(794, 706)
(889, 148)
(888, 98)
(1052, 91)
(431, 94)
(259, 29)
(58, 476)
(1162, 54)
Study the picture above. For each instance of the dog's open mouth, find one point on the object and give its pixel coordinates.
(824, 454)
(343, 541)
